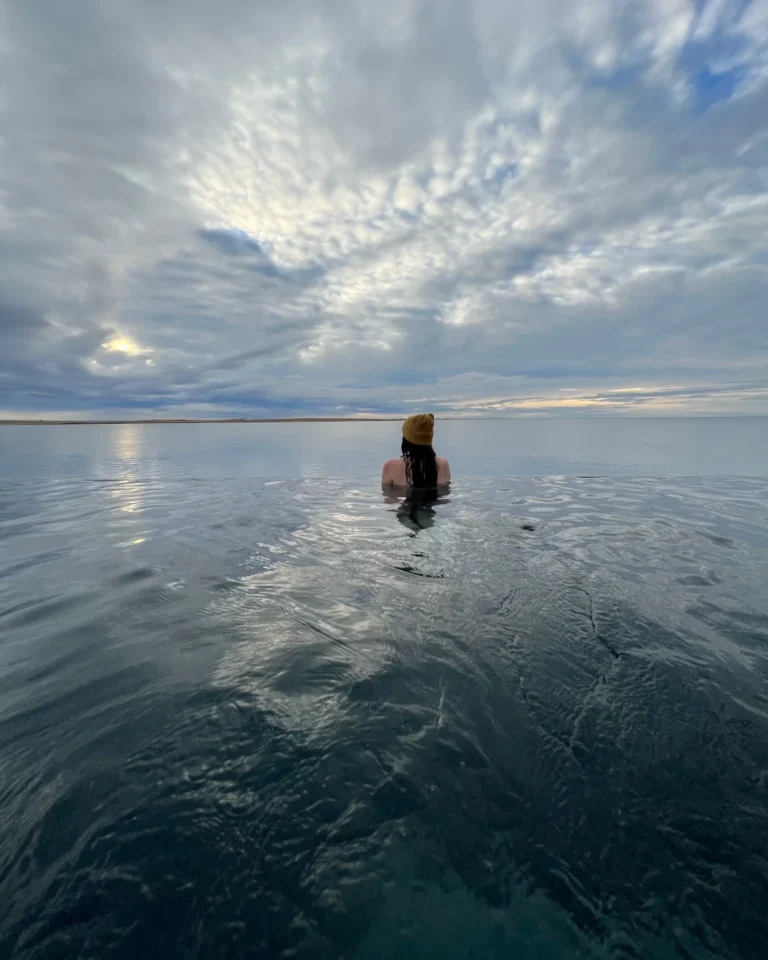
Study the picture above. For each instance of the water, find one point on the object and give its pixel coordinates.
(476, 448)
(250, 715)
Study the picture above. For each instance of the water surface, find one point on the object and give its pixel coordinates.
(249, 717)
(607, 446)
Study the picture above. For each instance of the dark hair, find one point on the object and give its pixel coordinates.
(420, 467)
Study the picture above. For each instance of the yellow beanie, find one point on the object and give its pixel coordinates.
(419, 429)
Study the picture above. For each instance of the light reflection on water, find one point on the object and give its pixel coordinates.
(606, 446)
(244, 718)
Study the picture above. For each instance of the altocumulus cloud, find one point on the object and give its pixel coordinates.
(321, 206)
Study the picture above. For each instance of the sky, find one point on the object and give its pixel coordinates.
(334, 207)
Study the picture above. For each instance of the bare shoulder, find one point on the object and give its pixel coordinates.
(443, 469)
(391, 469)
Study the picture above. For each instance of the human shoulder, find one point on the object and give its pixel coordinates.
(391, 469)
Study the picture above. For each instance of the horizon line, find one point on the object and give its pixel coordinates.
(366, 418)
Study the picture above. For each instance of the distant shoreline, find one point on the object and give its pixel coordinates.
(366, 419)
(87, 423)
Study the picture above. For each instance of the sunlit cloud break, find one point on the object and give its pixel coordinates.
(480, 207)
(123, 344)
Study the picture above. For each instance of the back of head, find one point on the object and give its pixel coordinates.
(419, 428)
(418, 454)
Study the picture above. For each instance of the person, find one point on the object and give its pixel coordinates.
(419, 468)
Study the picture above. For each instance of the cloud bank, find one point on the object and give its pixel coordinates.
(340, 206)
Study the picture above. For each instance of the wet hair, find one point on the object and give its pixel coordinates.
(420, 468)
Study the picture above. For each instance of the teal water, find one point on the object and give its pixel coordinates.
(245, 715)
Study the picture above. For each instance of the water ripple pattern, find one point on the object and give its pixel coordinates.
(300, 719)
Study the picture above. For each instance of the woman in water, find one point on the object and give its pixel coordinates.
(418, 468)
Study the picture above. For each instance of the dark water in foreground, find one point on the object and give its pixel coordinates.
(254, 719)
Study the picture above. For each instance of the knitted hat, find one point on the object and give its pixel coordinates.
(419, 429)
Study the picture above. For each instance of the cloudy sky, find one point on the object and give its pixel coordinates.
(338, 206)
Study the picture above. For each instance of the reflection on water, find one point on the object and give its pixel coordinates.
(416, 516)
(604, 446)
(415, 510)
(127, 485)
(262, 720)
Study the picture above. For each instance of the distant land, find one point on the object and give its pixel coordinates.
(365, 418)
(82, 423)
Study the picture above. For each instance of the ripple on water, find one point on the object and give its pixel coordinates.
(301, 720)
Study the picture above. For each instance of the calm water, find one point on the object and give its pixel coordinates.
(251, 711)
(477, 448)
